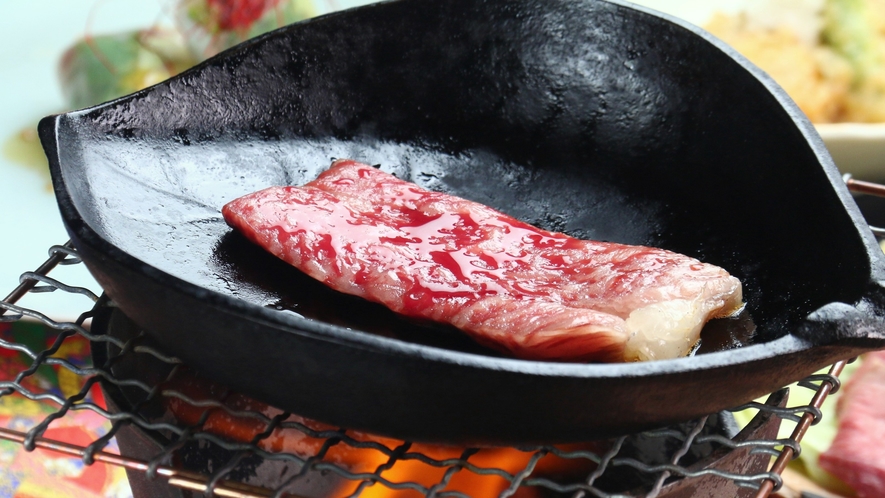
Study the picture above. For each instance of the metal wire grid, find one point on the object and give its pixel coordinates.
(675, 460)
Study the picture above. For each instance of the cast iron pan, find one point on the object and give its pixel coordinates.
(588, 117)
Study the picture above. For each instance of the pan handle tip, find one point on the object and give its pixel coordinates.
(844, 324)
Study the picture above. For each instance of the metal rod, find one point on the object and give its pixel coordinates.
(799, 431)
(29, 284)
(863, 187)
(870, 188)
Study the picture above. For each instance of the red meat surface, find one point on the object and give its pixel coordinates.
(511, 286)
(856, 455)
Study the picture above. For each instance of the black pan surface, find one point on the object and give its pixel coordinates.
(588, 117)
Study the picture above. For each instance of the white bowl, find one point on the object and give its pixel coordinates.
(857, 148)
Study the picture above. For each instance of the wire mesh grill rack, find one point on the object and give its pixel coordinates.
(181, 435)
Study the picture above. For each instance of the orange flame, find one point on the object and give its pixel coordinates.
(406, 469)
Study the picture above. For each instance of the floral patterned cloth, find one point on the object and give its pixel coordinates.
(43, 473)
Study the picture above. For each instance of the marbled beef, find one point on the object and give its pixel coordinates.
(511, 286)
(857, 455)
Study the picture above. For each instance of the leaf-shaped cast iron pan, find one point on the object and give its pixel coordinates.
(587, 117)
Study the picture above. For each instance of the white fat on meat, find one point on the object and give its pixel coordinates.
(671, 329)
(516, 288)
